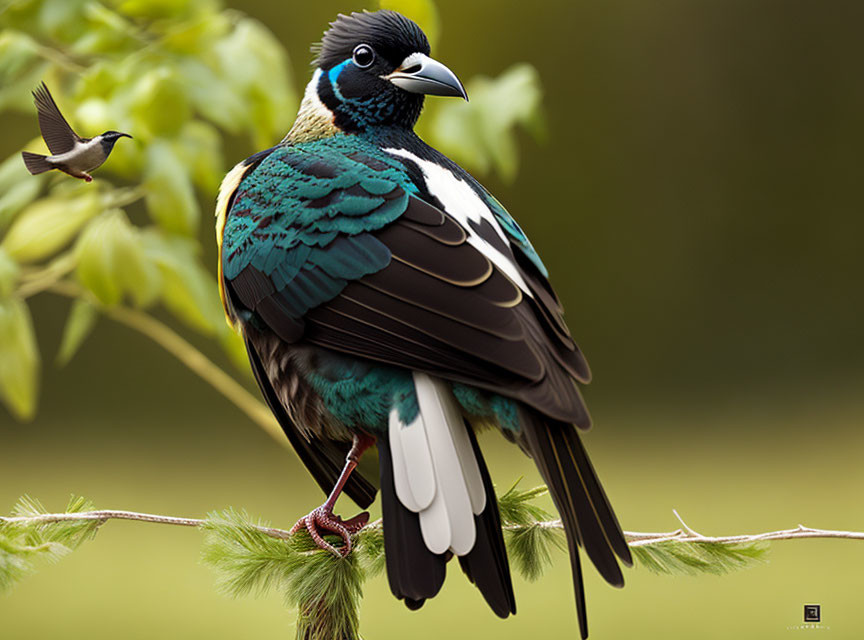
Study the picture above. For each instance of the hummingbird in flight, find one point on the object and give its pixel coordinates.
(70, 153)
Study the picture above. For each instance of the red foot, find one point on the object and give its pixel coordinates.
(88, 178)
(323, 519)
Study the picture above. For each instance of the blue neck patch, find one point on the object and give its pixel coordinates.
(333, 76)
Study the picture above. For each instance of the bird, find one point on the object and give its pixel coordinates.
(389, 302)
(70, 153)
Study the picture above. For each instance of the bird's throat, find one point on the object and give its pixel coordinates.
(314, 120)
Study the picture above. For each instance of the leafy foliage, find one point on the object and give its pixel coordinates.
(82, 318)
(22, 545)
(181, 77)
(482, 133)
(693, 558)
(325, 588)
(527, 535)
(19, 359)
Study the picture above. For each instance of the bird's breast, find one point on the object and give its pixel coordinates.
(84, 156)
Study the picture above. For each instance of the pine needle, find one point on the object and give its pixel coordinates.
(527, 533)
(23, 545)
(677, 557)
(326, 589)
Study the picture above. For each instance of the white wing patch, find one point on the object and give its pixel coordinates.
(435, 471)
(462, 203)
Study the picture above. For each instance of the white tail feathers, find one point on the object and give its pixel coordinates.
(435, 471)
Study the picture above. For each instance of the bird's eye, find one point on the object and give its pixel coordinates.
(364, 56)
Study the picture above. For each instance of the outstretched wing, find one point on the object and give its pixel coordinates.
(56, 132)
(334, 244)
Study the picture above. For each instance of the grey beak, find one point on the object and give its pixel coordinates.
(419, 73)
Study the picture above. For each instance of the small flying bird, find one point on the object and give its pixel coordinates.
(70, 153)
(387, 299)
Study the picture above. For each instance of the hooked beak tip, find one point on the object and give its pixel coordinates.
(427, 77)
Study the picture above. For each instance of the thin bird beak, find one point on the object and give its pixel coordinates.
(419, 73)
(125, 135)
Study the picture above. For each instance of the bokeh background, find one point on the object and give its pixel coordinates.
(697, 199)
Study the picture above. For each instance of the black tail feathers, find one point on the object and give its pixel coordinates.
(415, 573)
(487, 565)
(585, 510)
(36, 163)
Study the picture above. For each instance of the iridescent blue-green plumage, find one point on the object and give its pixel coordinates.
(336, 200)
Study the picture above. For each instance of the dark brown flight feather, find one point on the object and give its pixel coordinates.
(56, 132)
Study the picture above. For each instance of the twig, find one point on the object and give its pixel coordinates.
(39, 280)
(634, 538)
(60, 58)
(200, 364)
(112, 514)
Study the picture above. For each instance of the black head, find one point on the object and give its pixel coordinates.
(110, 137)
(374, 69)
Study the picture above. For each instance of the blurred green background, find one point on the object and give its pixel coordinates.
(698, 202)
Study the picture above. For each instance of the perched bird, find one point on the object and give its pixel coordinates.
(387, 299)
(70, 153)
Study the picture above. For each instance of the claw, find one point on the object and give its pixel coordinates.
(323, 519)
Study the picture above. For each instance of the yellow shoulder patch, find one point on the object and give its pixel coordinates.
(226, 191)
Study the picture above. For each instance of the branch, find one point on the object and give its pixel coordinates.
(634, 538)
(326, 588)
(174, 344)
(103, 515)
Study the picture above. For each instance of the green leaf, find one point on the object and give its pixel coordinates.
(20, 69)
(17, 188)
(82, 319)
(154, 9)
(423, 12)
(9, 271)
(95, 114)
(213, 97)
(233, 345)
(170, 198)
(48, 225)
(95, 250)
(188, 289)
(112, 261)
(17, 51)
(200, 148)
(19, 359)
(193, 36)
(481, 134)
(255, 65)
(160, 105)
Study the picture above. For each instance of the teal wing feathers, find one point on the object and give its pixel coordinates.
(301, 225)
(515, 233)
(330, 243)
